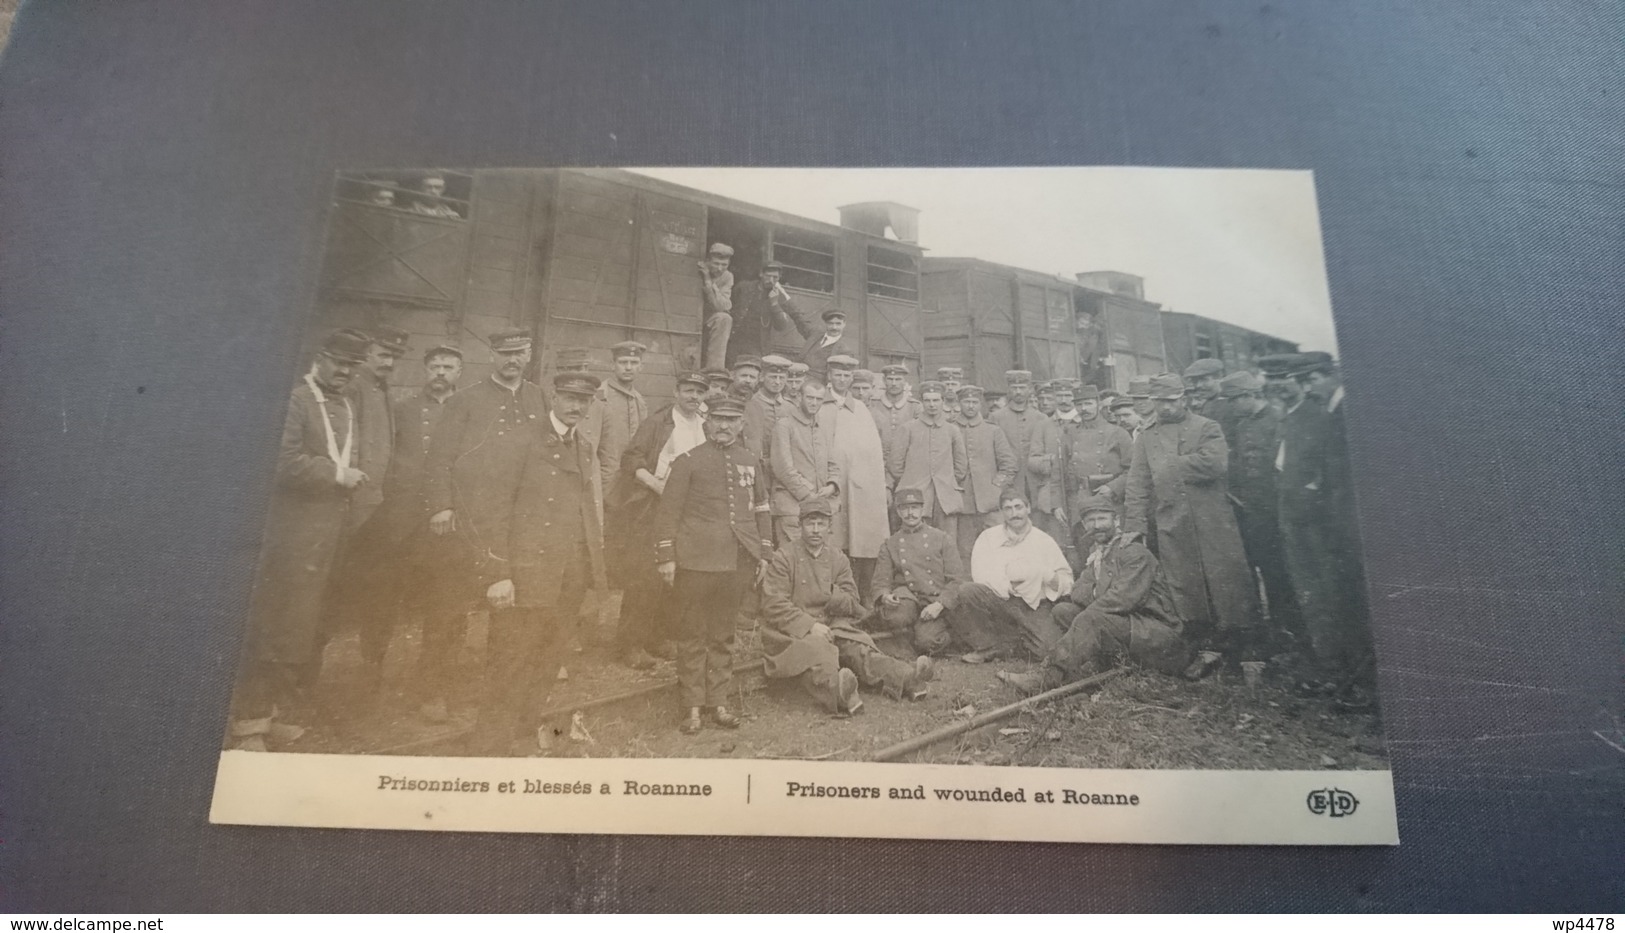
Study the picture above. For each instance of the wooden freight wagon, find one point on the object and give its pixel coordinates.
(1119, 332)
(1191, 337)
(988, 318)
(590, 257)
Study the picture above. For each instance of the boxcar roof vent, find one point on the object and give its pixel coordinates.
(1118, 283)
(883, 219)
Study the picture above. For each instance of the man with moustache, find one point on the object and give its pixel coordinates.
(315, 479)
(992, 465)
(811, 609)
(1095, 457)
(800, 463)
(1120, 610)
(1017, 574)
(1066, 409)
(1202, 389)
(713, 531)
(951, 377)
(1037, 442)
(1254, 438)
(832, 342)
(1180, 475)
(917, 577)
(758, 308)
(542, 553)
(929, 456)
(854, 444)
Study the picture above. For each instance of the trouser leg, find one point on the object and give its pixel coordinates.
(1037, 628)
(264, 687)
(969, 528)
(786, 529)
(640, 624)
(719, 642)
(942, 521)
(707, 603)
(863, 572)
(819, 680)
(1305, 544)
(522, 647)
(717, 329)
(979, 620)
(1091, 642)
(874, 668)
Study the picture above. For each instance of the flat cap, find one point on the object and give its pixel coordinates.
(347, 346)
(725, 406)
(773, 266)
(628, 349)
(816, 506)
(575, 383)
(833, 312)
(907, 497)
(1085, 393)
(951, 373)
(720, 249)
(748, 362)
(1167, 386)
(863, 377)
(1122, 401)
(1207, 366)
(1097, 503)
(1315, 361)
(1239, 384)
(895, 369)
(510, 341)
(1021, 377)
(842, 361)
(1278, 364)
(1139, 387)
(693, 378)
(799, 369)
(774, 363)
(573, 358)
(392, 339)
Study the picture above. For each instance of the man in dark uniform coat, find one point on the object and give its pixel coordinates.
(766, 405)
(1121, 608)
(895, 407)
(713, 528)
(831, 342)
(810, 630)
(759, 307)
(918, 569)
(542, 554)
(1095, 458)
(1253, 438)
(1037, 441)
(315, 478)
(1202, 390)
(1180, 474)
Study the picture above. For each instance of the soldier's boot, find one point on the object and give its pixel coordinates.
(638, 659)
(692, 724)
(924, 672)
(1032, 682)
(847, 701)
(723, 718)
(1206, 663)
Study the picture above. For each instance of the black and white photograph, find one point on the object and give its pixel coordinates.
(791, 469)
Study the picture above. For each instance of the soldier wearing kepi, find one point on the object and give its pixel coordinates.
(315, 478)
(917, 576)
(1120, 609)
(541, 555)
(1180, 475)
(928, 455)
(1095, 458)
(811, 610)
(1254, 438)
(1037, 442)
(623, 409)
(713, 528)
(992, 465)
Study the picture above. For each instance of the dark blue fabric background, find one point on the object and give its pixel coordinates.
(163, 175)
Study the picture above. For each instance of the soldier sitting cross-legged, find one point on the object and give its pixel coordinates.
(811, 609)
(917, 577)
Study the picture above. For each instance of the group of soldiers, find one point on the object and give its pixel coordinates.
(865, 525)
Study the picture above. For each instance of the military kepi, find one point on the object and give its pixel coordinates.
(908, 497)
(392, 339)
(816, 506)
(510, 341)
(575, 383)
(628, 349)
(726, 407)
(347, 346)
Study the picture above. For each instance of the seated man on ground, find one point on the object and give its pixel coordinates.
(1120, 610)
(810, 609)
(917, 576)
(1018, 572)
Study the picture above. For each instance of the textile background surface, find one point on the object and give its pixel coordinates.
(164, 171)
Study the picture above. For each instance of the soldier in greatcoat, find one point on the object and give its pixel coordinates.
(794, 377)
(713, 530)
(1180, 475)
(810, 628)
(1037, 442)
(991, 462)
(1095, 457)
(917, 576)
(1120, 609)
(673, 430)
(543, 551)
(1202, 390)
(853, 441)
(315, 479)
(623, 409)
(801, 465)
(928, 455)
(1254, 438)
(951, 377)
(767, 405)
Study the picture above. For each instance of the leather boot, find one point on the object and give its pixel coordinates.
(693, 724)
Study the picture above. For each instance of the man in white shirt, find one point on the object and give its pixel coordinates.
(1018, 573)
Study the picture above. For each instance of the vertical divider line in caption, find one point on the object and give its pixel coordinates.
(747, 787)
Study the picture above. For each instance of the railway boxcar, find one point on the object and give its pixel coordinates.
(589, 257)
(1191, 337)
(1119, 332)
(988, 318)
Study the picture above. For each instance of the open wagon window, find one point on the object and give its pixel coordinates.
(808, 259)
(426, 193)
(893, 274)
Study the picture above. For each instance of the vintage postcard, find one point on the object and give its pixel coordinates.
(938, 503)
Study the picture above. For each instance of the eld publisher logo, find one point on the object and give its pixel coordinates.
(1333, 802)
